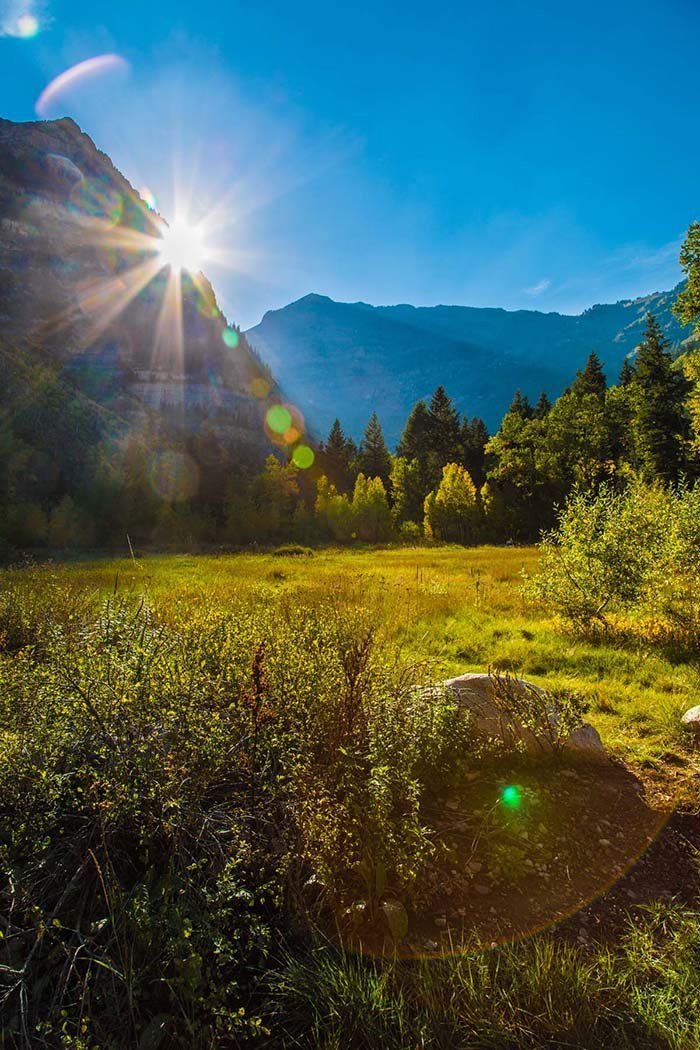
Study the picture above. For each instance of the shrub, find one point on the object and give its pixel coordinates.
(635, 552)
(174, 781)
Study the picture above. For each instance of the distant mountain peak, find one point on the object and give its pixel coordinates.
(349, 359)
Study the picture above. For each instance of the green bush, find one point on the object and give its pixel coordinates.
(634, 553)
(178, 785)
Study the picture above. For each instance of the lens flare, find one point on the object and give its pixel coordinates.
(148, 198)
(511, 797)
(278, 419)
(26, 26)
(91, 67)
(183, 246)
(230, 337)
(303, 457)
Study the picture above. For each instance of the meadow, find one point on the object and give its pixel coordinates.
(233, 809)
(457, 609)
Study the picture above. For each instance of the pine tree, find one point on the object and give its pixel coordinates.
(473, 438)
(414, 440)
(520, 406)
(444, 430)
(339, 454)
(687, 305)
(660, 423)
(543, 406)
(373, 459)
(626, 373)
(591, 380)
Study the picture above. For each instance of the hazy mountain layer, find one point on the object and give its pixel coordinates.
(347, 359)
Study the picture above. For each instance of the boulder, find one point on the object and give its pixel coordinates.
(475, 693)
(691, 720)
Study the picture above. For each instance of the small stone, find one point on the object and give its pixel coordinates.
(483, 890)
(452, 803)
(461, 912)
(493, 910)
(440, 921)
(431, 946)
(691, 720)
(603, 842)
(475, 866)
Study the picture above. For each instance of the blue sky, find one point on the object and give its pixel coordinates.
(541, 154)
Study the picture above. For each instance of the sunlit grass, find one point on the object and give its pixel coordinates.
(459, 609)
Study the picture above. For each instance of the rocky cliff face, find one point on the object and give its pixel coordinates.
(81, 290)
(349, 359)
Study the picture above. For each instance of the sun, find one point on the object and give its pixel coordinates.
(183, 246)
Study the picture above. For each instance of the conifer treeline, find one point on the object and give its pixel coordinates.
(452, 481)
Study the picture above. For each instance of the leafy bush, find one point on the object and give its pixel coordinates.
(635, 552)
(177, 783)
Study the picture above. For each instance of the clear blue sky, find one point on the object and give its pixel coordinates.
(542, 154)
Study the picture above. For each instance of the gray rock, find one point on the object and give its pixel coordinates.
(475, 695)
(691, 720)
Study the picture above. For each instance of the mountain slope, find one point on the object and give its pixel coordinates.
(80, 280)
(122, 387)
(348, 359)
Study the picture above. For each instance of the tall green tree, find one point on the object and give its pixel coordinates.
(452, 510)
(373, 459)
(339, 454)
(591, 379)
(407, 490)
(626, 373)
(660, 419)
(474, 437)
(444, 429)
(687, 305)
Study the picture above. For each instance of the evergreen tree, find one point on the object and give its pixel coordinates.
(520, 406)
(339, 454)
(373, 459)
(660, 423)
(591, 380)
(687, 305)
(626, 373)
(543, 406)
(413, 443)
(443, 429)
(473, 439)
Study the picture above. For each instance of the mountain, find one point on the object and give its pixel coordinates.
(348, 359)
(112, 366)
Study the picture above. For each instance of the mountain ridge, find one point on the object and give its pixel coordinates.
(385, 358)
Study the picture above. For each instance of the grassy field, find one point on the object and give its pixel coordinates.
(214, 764)
(459, 609)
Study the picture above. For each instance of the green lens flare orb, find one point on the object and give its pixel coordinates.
(510, 796)
(230, 337)
(303, 457)
(278, 419)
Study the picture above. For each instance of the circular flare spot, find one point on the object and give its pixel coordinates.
(278, 419)
(510, 796)
(174, 476)
(230, 337)
(260, 387)
(303, 457)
